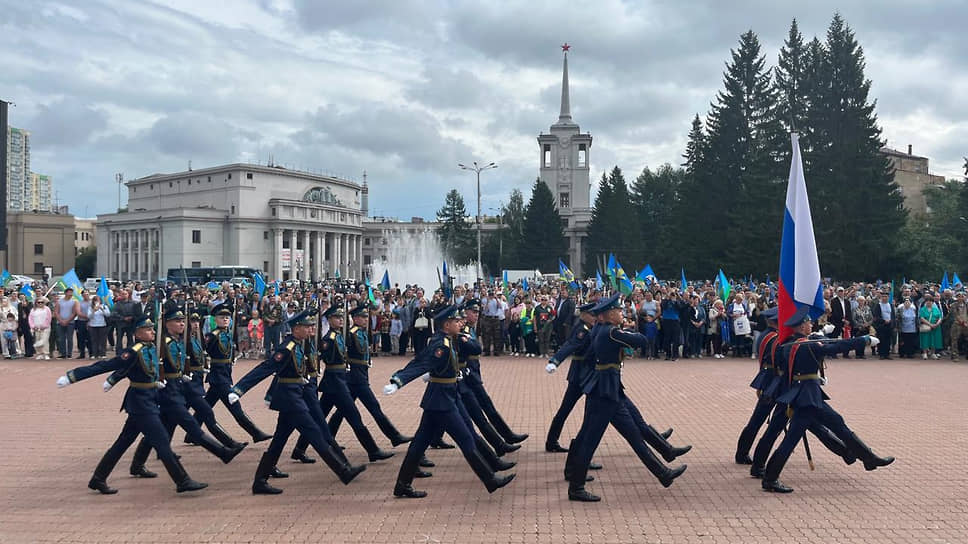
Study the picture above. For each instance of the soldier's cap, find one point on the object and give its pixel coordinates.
(450, 312)
(587, 307)
(174, 314)
(143, 323)
(306, 317)
(195, 317)
(609, 303)
(770, 313)
(333, 311)
(472, 304)
(360, 311)
(802, 314)
(222, 309)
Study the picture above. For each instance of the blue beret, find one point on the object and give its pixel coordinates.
(609, 303)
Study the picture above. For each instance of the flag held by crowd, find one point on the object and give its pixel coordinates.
(70, 280)
(260, 284)
(105, 294)
(28, 292)
(944, 282)
(385, 282)
(724, 287)
(683, 282)
(567, 275)
(5, 277)
(800, 280)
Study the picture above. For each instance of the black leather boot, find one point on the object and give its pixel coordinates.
(337, 464)
(300, 455)
(400, 439)
(372, 450)
(260, 484)
(222, 436)
(408, 469)
(863, 452)
(496, 463)
(661, 445)
(504, 429)
(665, 474)
(833, 443)
(771, 476)
(276, 473)
(440, 444)
(181, 478)
(139, 459)
(426, 463)
(218, 450)
(101, 472)
(492, 482)
(554, 447)
(249, 426)
(666, 433)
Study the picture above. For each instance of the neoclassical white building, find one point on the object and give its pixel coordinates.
(289, 224)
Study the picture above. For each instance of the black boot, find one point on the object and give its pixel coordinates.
(756, 471)
(99, 481)
(666, 433)
(218, 450)
(181, 478)
(744, 444)
(372, 450)
(503, 447)
(222, 436)
(260, 485)
(491, 481)
(504, 430)
(400, 439)
(863, 452)
(276, 473)
(775, 486)
(408, 469)
(300, 455)
(771, 476)
(576, 477)
(139, 458)
(441, 445)
(496, 463)
(337, 464)
(248, 426)
(661, 445)
(665, 474)
(426, 463)
(423, 474)
(554, 447)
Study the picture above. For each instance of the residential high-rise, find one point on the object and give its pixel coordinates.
(37, 195)
(18, 167)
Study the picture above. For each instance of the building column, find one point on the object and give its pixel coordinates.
(318, 256)
(305, 256)
(276, 261)
(338, 256)
(351, 256)
(128, 239)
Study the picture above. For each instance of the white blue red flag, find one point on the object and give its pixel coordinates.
(800, 283)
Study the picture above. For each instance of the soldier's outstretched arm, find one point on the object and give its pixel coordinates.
(628, 338)
(119, 362)
(261, 371)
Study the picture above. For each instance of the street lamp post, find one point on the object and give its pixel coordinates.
(477, 169)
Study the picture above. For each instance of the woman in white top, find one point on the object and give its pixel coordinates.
(40, 317)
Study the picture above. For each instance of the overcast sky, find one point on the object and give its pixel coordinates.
(406, 90)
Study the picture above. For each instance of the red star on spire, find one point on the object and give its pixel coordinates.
(565, 47)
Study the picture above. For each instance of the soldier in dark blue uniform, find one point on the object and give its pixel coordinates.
(575, 347)
(194, 389)
(138, 363)
(171, 399)
(808, 402)
(358, 378)
(761, 382)
(335, 393)
(287, 392)
(605, 404)
(221, 351)
(474, 381)
(439, 403)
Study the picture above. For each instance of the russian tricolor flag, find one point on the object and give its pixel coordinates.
(799, 283)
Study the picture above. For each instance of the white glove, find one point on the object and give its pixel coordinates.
(268, 403)
(425, 377)
(551, 368)
(63, 381)
(161, 384)
(186, 378)
(873, 340)
(828, 329)
(106, 386)
(233, 398)
(391, 388)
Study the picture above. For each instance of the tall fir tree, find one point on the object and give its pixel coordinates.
(544, 235)
(613, 227)
(655, 199)
(513, 219)
(744, 166)
(790, 72)
(861, 205)
(457, 239)
(694, 200)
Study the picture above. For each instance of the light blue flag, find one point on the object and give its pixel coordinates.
(28, 291)
(682, 286)
(104, 293)
(385, 282)
(5, 277)
(260, 284)
(944, 281)
(598, 280)
(71, 280)
(524, 284)
(955, 280)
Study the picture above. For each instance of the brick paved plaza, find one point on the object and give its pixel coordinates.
(914, 410)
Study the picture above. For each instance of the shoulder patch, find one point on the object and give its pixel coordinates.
(137, 347)
(581, 334)
(279, 356)
(354, 328)
(325, 344)
(439, 352)
(167, 339)
(331, 335)
(125, 355)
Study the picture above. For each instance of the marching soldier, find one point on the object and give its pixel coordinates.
(221, 351)
(288, 363)
(439, 403)
(575, 347)
(358, 378)
(171, 399)
(808, 402)
(761, 382)
(605, 404)
(138, 363)
(335, 392)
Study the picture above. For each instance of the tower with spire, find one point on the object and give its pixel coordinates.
(564, 166)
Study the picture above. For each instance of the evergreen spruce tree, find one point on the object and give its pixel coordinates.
(744, 167)
(614, 227)
(457, 237)
(862, 210)
(596, 240)
(789, 80)
(544, 237)
(513, 219)
(655, 198)
(688, 236)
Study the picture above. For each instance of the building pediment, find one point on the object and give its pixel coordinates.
(322, 195)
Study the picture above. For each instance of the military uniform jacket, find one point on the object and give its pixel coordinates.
(220, 350)
(332, 350)
(763, 380)
(605, 380)
(805, 367)
(288, 364)
(469, 356)
(358, 356)
(274, 312)
(439, 358)
(172, 370)
(196, 367)
(139, 364)
(576, 347)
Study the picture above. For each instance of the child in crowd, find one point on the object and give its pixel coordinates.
(396, 329)
(383, 323)
(651, 331)
(256, 333)
(10, 350)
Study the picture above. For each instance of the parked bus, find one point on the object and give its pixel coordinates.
(204, 274)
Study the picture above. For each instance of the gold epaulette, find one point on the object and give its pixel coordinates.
(168, 340)
(137, 347)
(354, 328)
(331, 335)
(290, 345)
(447, 341)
